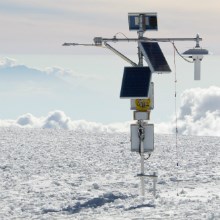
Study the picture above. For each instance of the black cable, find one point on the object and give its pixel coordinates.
(140, 134)
(174, 46)
(121, 34)
(147, 157)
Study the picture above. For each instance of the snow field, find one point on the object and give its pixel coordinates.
(60, 174)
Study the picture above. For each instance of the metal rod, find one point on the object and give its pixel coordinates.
(76, 44)
(99, 40)
(140, 36)
(141, 123)
(154, 183)
(145, 39)
(119, 54)
(142, 169)
(120, 39)
(172, 39)
(141, 138)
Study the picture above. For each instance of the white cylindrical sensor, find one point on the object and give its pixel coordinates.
(197, 67)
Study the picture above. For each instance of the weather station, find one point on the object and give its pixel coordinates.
(137, 82)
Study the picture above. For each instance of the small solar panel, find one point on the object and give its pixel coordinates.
(135, 82)
(149, 22)
(154, 57)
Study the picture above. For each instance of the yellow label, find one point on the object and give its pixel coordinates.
(142, 104)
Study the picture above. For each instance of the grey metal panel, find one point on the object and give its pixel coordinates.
(141, 115)
(196, 51)
(148, 140)
(154, 57)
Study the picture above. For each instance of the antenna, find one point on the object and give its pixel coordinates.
(137, 82)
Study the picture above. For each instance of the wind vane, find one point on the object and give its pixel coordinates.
(137, 82)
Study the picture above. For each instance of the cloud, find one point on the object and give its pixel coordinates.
(10, 68)
(27, 120)
(199, 113)
(7, 62)
(41, 25)
(58, 120)
(66, 74)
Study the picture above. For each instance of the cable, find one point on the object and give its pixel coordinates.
(141, 136)
(176, 118)
(121, 34)
(174, 46)
(147, 157)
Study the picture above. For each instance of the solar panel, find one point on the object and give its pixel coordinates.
(149, 23)
(135, 82)
(154, 57)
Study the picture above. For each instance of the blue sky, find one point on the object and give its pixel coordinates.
(85, 82)
(88, 87)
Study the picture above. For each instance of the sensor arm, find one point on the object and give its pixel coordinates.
(99, 40)
(76, 44)
(120, 54)
(98, 43)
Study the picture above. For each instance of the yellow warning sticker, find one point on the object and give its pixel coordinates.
(142, 104)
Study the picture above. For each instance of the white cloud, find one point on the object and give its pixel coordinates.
(58, 120)
(7, 62)
(8, 65)
(27, 120)
(98, 127)
(66, 74)
(199, 113)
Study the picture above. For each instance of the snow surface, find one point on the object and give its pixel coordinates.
(61, 174)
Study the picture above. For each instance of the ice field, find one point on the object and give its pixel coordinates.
(67, 174)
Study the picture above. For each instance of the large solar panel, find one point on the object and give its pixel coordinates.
(135, 82)
(154, 57)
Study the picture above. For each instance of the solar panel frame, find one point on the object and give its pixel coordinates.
(154, 57)
(136, 83)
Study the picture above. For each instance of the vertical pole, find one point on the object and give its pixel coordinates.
(140, 56)
(141, 137)
(197, 41)
(140, 35)
(154, 183)
(142, 169)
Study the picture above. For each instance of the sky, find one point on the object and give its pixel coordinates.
(38, 76)
(29, 26)
(199, 115)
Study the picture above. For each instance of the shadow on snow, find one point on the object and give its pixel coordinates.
(140, 206)
(92, 203)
